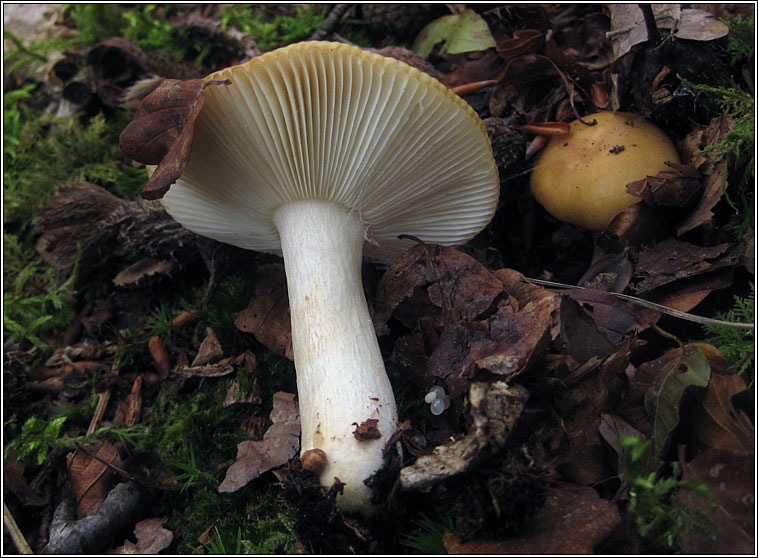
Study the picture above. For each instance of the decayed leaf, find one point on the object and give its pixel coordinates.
(13, 478)
(673, 259)
(90, 478)
(210, 349)
(711, 165)
(494, 408)
(628, 25)
(729, 476)
(151, 538)
(267, 316)
(463, 32)
(280, 444)
(457, 283)
(678, 187)
(685, 367)
(720, 425)
(570, 522)
(162, 130)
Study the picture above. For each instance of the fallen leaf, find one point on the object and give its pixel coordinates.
(13, 478)
(678, 187)
(730, 477)
(233, 395)
(711, 165)
(628, 25)
(719, 424)
(458, 33)
(685, 367)
(90, 478)
(494, 408)
(267, 316)
(570, 522)
(673, 259)
(162, 129)
(280, 443)
(456, 283)
(151, 538)
(210, 349)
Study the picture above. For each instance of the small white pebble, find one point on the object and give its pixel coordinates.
(447, 401)
(430, 397)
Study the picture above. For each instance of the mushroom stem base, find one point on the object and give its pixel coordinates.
(341, 378)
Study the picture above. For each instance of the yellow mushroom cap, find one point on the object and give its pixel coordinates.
(581, 178)
(329, 121)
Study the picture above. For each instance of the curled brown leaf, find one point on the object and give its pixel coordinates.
(162, 130)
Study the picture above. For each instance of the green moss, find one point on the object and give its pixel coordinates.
(96, 22)
(281, 30)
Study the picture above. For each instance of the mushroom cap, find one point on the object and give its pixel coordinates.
(329, 121)
(581, 178)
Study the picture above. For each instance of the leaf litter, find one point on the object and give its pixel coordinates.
(543, 381)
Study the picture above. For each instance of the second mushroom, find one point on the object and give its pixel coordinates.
(323, 152)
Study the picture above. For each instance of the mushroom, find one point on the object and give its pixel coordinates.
(581, 178)
(321, 151)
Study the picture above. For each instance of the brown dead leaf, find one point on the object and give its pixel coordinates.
(524, 41)
(628, 25)
(572, 521)
(90, 478)
(711, 165)
(730, 477)
(162, 130)
(210, 349)
(267, 316)
(13, 478)
(678, 187)
(151, 538)
(719, 424)
(455, 282)
(494, 408)
(233, 395)
(280, 443)
(673, 259)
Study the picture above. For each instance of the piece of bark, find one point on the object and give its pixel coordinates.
(106, 228)
(92, 534)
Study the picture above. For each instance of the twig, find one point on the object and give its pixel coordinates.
(16, 535)
(653, 35)
(104, 397)
(652, 305)
(330, 22)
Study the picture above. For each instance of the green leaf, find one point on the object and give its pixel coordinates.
(686, 369)
(463, 32)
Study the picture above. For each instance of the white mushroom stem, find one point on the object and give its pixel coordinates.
(341, 380)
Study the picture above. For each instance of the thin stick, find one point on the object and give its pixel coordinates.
(16, 535)
(330, 22)
(104, 397)
(652, 306)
